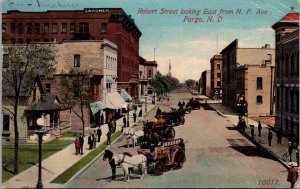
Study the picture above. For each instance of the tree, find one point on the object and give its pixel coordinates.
(22, 64)
(75, 91)
(190, 83)
(163, 84)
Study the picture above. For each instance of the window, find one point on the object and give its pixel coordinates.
(76, 90)
(46, 27)
(76, 60)
(20, 28)
(103, 28)
(108, 87)
(64, 28)
(28, 28)
(218, 83)
(259, 83)
(83, 28)
(150, 73)
(218, 66)
(48, 87)
(37, 28)
(28, 40)
(6, 121)
(286, 97)
(5, 61)
(269, 57)
(54, 28)
(72, 28)
(219, 75)
(259, 100)
(3, 27)
(36, 40)
(12, 27)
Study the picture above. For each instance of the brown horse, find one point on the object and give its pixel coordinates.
(77, 146)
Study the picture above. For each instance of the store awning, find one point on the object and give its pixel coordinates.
(109, 79)
(97, 106)
(114, 100)
(125, 96)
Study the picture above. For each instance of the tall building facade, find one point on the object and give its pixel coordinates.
(205, 82)
(216, 76)
(247, 60)
(287, 73)
(88, 24)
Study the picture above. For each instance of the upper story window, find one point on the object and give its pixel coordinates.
(259, 100)
(64, 28)
(5, 61)
(12, 27)
(84, 27)
(46, 27)
(218, 66)
(219, 75)
(150, 73)
(3, 27)
(103, 28)
(48, 87)
(28, 28)
(259, 83)
(218, 83)
(76, 60)
(54, 28)
(76, 90)
(269, 57)
(37, 28)
(72, 28)
(20, 28)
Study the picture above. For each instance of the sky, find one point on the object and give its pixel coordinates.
(172, 30)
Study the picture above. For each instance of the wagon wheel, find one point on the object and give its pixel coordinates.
(169, 133)
(179, 160)
(159, 168)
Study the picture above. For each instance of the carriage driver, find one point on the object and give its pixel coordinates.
(153, 141)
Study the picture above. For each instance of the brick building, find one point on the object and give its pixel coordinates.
(88, 24)
(147, 71)
(216, 76)
(204, 82)
(254, 65)
(287, 73)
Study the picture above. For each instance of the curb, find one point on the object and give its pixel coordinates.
(218, 112)
(263, 148)
(89, 164)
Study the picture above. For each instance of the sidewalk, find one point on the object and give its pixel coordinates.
(275, 149)
(56, 164)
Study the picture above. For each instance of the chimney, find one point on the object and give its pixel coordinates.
(267, 46)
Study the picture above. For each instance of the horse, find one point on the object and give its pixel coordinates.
(135, 135)
(77, 145)
(126, 162)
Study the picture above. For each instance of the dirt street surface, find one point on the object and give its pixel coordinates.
(216, 156)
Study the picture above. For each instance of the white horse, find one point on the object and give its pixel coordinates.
(126, 162)
(131, 133)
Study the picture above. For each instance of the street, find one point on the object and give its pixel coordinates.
(216, 156)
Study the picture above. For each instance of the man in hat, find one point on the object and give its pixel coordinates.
(252, 132)
(279, 136)
(90, 141)
(81, 140)
(259, 128)
(134, 116)
(292, 174)
(108, 137)
(99, 133)
(270, 136)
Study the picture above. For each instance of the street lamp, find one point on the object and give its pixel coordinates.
(145, 104)
(128, 115)
(40, 134)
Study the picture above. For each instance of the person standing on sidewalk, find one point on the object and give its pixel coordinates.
(124, 122)
(99, 133)
(102, 119)
(259, 128)
(270, 136)
(134, 116)
(81, 139)
(292, 174)
(290, 149)
(108, 137)
(140, 114)
(90, 141)
(94, 139)
(252, 132)
(279, 136)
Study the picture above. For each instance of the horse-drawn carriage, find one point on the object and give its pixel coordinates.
(193, 104)
(162, 127)
(174, 117)
(171, 154)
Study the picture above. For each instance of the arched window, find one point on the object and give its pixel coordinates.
(259, 83)
(286, 65)
(292, 64)
(259, 100)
